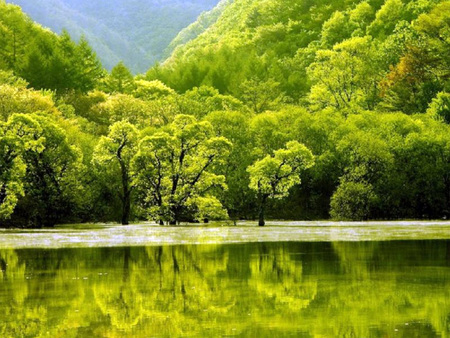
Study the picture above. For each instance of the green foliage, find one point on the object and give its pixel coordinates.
(120, 80)
(261, 95)
(346, 76)
(352, 201)
(43, 59)
(149, 90)
(173, 170)
(440, 107)
(113, 155)
(17, 136)
(51, 182)
(274, 176)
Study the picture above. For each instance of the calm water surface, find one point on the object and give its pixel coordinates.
(318, 288)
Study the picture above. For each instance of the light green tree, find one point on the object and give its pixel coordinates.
(386, 18)
(120, 80)
(273, 176)
(52, 182)
(18, 134)
(114, 152)
(346, 75)
(440, 107)
(260, 95)
(173, 170)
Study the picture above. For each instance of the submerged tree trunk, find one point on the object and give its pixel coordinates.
(175, 212)
(126, 207)
(126, 199)
(262, 207)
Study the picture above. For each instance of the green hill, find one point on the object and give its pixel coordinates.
(44, 59)
(136, 32)
(281, 39)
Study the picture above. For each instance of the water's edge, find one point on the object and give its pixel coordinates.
(97, 235)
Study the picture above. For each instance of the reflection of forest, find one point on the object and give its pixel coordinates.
(315, 289)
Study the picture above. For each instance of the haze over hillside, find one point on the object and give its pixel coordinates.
(136, 32)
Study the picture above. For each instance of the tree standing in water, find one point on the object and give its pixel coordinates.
(117, 149)
(273, 176)
(174, 174)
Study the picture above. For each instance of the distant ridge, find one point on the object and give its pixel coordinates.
(137, 32)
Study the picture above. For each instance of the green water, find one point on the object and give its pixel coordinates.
(267, 289)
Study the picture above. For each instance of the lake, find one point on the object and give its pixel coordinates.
(301, 279)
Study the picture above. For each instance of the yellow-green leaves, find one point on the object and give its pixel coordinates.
(275, 175)
(346, 76)
(114, 153)
(173, 171)
(19, 134)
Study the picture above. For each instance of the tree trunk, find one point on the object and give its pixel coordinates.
(262, 207)
(126, 190)
(174, 213)
(126, 210)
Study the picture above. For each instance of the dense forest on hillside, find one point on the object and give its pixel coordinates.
(280, 109)
(137, 32)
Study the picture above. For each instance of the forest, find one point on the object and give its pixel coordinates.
(279, 109)
(135, 31)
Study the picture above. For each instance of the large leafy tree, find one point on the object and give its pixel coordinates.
(347, 75)
(51, 183)
(273, 176)
(235, 126)
(114, 153)
(19, 134)
(173, 170)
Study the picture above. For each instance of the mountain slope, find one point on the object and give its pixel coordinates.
(279, 40)
(136, 32)
(44, 59)
(203, 22)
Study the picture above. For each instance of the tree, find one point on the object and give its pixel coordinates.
(386, 18)
(273, 176)
(261, 95)
(114, 152)
(121, 107)
(173, 170)
(353, 201)
(60, 64)
(346, 75)
(440, 107)
(51, 183)
(423, 69)
(238, 198)
(120, 80)
(17, 135)
(89, 70)
(150, 90)
(336, 29)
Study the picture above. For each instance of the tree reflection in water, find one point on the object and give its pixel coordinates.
(263, 289)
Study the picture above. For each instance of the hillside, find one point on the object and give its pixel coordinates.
(136, 32)
(44, 59)
(279, 40)
(203, 22)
